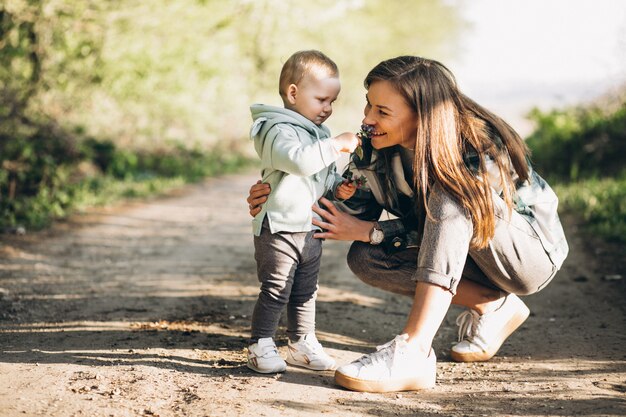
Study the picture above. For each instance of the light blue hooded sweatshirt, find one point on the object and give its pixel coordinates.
(297, 161)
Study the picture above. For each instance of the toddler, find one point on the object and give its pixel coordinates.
(298, 161)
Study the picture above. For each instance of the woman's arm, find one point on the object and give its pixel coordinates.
(257, 196)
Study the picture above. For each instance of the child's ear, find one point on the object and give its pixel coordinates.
(292, 93)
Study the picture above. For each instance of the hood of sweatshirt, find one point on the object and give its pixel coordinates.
(265, 117)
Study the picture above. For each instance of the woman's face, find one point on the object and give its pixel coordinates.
(394, 122)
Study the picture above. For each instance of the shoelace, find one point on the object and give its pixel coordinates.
(382, 354)
(467, 325)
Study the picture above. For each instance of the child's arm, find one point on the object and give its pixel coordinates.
(289, 155)
(346, 142)
(345, 190)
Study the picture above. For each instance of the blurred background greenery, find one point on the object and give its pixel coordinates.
(101, 100)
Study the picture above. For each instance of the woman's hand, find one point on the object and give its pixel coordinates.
(258, 196)
(338, 225)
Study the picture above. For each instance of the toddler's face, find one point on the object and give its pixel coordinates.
(314, 96)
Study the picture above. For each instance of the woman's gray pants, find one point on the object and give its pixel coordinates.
(514, 261)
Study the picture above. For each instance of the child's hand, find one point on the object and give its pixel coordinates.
(346, 142)
(345, 190)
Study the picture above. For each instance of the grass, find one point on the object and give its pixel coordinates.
(600, 202)
(62, 196)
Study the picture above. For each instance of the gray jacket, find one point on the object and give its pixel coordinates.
(534, 200)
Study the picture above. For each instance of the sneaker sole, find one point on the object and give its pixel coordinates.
(266, 371)
(299, 364)
(516, 320)
(291, 360)
(407, 384)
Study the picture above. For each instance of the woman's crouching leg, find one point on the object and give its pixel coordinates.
(388, 272)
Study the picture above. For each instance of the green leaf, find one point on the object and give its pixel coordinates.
(359, 152)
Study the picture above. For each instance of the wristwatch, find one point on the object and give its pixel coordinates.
(376, 235)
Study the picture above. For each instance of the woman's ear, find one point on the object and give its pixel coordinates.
(292, 93)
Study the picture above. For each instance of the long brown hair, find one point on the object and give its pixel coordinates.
(451, 126)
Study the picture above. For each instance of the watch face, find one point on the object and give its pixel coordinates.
(376, 236)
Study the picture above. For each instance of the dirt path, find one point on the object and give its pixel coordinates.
(144, 311)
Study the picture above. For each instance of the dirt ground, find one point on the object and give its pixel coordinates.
(144, 309)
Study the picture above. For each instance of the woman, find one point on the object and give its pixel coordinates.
(477, 226)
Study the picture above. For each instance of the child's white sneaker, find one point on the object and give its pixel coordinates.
(309, 353)
(263, 357)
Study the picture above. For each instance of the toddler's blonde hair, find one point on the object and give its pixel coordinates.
(302, 63)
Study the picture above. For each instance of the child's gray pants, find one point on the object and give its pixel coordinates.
(287, 267)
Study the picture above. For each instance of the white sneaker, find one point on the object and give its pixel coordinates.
(480, 336)
(263, 357)
(393, 367)
(309, 353)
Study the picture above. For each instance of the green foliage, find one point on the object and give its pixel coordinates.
(580, 142)
(582, 151)
(601, 203)
(37, 211)
(110, 99)
(46, 176)
(174, 70)
(33, 159)
(48, 49)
